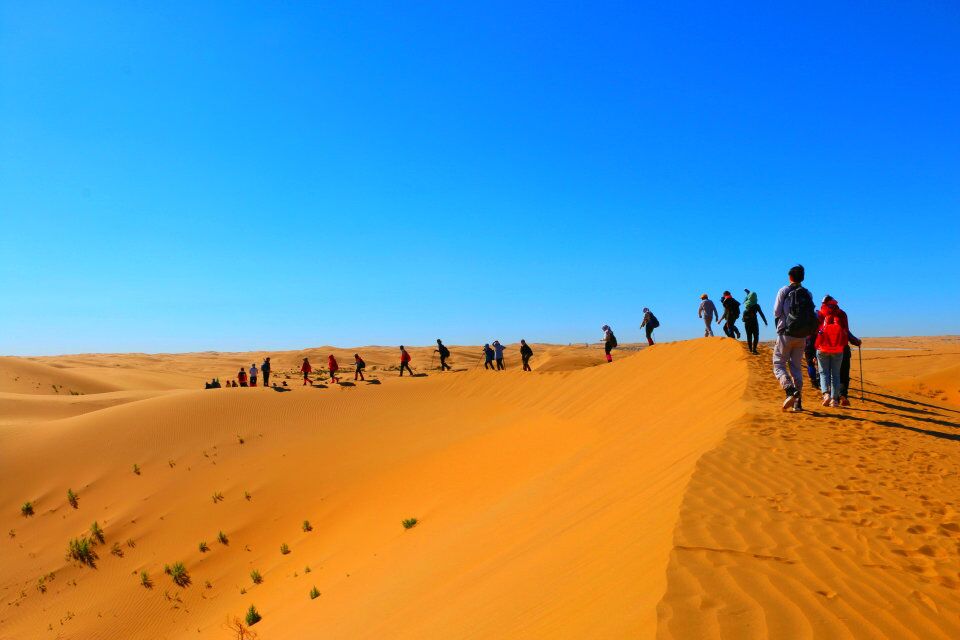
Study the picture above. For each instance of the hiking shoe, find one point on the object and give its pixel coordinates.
(792, 398)
(798, 407)
(834, 403)
(826, 400)
(844, 402)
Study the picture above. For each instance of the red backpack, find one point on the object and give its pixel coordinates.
(832, 337)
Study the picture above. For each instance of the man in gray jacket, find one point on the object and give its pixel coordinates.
(708, 311)
(788, 352)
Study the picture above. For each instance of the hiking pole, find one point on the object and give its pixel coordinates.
(860, 353)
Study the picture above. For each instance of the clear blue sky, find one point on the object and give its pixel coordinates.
(179, 176)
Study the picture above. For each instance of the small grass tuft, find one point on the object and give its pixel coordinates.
(307, 527)
(256, 577)
(171, 463)
(130, 543)
(136, 469)
(306, 569)
(203, 547)
(222, 538)
(284, 548)
(145, 580)
(27, 509)
(217, 497)
(247, 496)
(240, 439)
(314, 593)
(72, 499)
(178, 572)
(81, 550)
(409, 523)
(96, 533)
(116, 550)
(253, 617)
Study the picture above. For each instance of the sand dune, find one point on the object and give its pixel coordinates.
(663, 495)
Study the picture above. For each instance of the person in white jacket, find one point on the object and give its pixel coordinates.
(708, 311)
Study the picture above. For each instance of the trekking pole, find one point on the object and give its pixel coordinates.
(860, 353)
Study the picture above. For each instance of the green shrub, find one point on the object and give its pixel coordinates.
(96, 532)
(409, 523)
(253, 617)
(27, 509)
(284, 548)
(307, 527)
(314, 593)
(222, 537)
(145, 580)
(217, 497)
(203, 547)
(136, 469)
(256, 577)
(81, 550)
(178, 572)
(72, 499)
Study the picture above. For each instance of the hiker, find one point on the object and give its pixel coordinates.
(650, 322)
(810, 355)
(707, 311)
(488, 357)
(845, 367)
(828, 339)
(265, 371)
(306, 369)
(242, 377)
(498, 354)
(359, 366)
(333, 367)
(233, 383)
(795, 319)
(750, 310)
(731, 313)
(404, 361)
(525, 354)
(253, 374)
(609, 341)
(444, 354)
(215, 384)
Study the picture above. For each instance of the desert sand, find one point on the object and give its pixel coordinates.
(664, 495)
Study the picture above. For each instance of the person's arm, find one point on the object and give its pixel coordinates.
(760, 311)
(854, 340)
(777, 305)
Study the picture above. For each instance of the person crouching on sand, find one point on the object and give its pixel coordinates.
(405, 361)
(609, 341)
(359, 366)
(650, 322)
(306, 369)
(253, 374)
(525, 354)
(333, 367)
(242, 377)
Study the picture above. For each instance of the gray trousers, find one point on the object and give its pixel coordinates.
(788, 361)
(708, 327)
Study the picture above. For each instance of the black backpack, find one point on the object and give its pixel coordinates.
(801, 320)
(613, 340)
(654, 323)
(444, 351)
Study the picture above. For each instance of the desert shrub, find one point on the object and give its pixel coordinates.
(217, 497)
(306, 569)
(145, 580)
(222, 538)
(314, 593)
(116, 550)
(307, 527)
(96, 533)
(27, 509)
(72, 499)
(203, 547)
(284, 548)
(256, 577)
(136, 469)
(409, 523)
(253, 617)
(240, 439)
(247, 496)
(178, 572)
(81, 550)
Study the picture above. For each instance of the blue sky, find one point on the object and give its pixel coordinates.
(236, 176)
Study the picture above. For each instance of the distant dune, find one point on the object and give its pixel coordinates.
(664, 495)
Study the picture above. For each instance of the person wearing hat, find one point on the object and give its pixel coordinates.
(650, 322)
(609, 341)
(707, 311)
(832, 339)
(750, 310)
(498, 354)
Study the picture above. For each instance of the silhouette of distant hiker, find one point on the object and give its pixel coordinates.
(444, 354)
(213, 384)
(359, 365)
(242, 377)
(750, 310)
(265, 371)
(253, 374)
(405, 361)
(650, 322)
(707, 311)
(306, 369)
(796, 320)
(731, 313)
(498, 354)
(609, 341)
(525, 354)
(488, 355)
(333, 366)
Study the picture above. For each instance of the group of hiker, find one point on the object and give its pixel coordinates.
(731, 313)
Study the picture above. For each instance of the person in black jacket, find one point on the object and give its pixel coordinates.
(444, 354)
(650, 322)
(731, 313)
(750, 310)
(488, 358)
(265, 372)
(525, 354)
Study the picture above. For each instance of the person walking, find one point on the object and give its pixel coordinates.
(242, 377)
(750, 310)
(333, 367)
(845, 367)
(265, 371)
(795, 319)
(525, 354)
(444, 354)
(405, 361)
(832, 339)
(253, 374)
(488, 355)
(731, 313)
(498, 354)
(306, 370)
(708, 311)
(359, 366)
(650, 322)
(609, 341)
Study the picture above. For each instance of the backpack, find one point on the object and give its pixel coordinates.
(801, 320)
(444, 351)
(654, 323)
(832, 337)
(613, 340)
(732, 308)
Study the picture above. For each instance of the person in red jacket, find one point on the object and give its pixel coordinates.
(242, 377)
(832, 338)
(306, 369)
(404, 361)
(334, 367)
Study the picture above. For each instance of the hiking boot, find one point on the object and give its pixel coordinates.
(844, 402)
(798, 407)
(826, 400)
(834, 403)
(792, 398)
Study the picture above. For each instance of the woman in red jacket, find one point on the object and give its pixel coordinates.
(832, 339)
(404, 361)
(334, 367)
(242, 377)
(306, 369)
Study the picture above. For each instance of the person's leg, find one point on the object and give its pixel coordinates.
(649, 335)
(735, 329)
(796, 362)
(823, 363)
(836, 361)
(845, 372)
(606, 349)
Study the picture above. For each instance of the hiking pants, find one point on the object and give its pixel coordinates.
(266, 378)
(253, 381)
(607, 348)
(443, 364)
(788, 361)
(707, 327)
(752, 327)
(650, 335)
(845, 371)
(730, 328)
(526, 363)
(358, 372)
(488, 364)
(830, 373)
(500, 366)
(405, 365)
